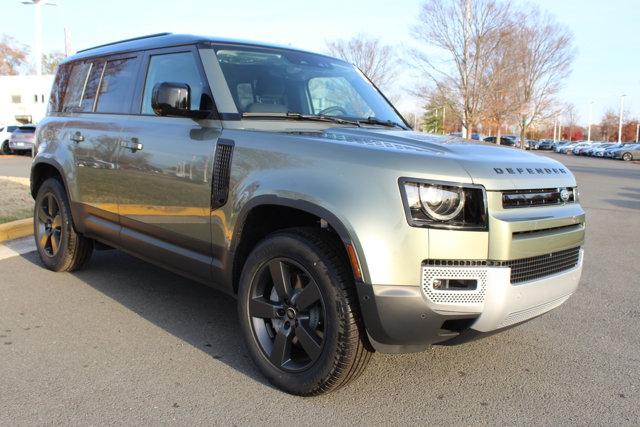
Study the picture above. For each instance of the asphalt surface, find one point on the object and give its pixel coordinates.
(125, 342)
(15, 165)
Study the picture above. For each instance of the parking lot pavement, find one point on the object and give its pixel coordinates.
(125, 342)
(15, 165)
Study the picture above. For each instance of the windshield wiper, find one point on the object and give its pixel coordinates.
(375, 121)
(300, 116)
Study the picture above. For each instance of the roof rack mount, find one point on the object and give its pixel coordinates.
(125, 40)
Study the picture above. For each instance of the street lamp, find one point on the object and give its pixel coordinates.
(620, 119)
(589, 126)
(37, 45)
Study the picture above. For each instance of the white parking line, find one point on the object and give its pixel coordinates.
(17, 247)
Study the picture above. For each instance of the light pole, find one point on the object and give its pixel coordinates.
(555, 129)
(620, 119)
(444, 109)
(589, 126)
(637, 132)
(37, 44)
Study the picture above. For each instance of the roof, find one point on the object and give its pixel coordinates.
(160, 40)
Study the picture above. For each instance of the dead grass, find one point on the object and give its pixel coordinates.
(15, 199)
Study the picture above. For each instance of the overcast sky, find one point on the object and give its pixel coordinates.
(607, 32)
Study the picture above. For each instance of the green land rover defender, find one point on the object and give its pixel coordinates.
(286, 178)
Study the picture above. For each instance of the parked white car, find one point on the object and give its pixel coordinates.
(5, 135)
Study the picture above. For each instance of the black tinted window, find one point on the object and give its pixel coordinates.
(116, 86)
(75, 85)
(91, 88)
(177, 68)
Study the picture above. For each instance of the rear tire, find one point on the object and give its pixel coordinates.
(5, 148)
(299, 314)
(60, 247)
(627, 157)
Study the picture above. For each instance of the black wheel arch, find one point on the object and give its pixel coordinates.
(237, 255)
(45, 168)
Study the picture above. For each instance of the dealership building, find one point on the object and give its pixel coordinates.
(24, 99)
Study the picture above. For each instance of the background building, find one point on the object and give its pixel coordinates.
(24, 99)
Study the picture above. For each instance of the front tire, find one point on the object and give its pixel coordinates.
(59, 246)
(299, 315)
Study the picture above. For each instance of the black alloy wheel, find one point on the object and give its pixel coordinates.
(49, 225)
(299, 312)
(287, 315)
(60, 246)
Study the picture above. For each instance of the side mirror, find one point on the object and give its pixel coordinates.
(171, 99)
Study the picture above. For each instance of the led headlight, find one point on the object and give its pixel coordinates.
(444, 205)
(441, 203)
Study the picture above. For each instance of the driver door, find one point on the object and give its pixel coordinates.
(165, 171)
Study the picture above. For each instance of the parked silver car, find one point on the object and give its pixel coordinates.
(22, 139)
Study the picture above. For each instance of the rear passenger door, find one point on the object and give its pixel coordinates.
(164, 184)
(97, 99)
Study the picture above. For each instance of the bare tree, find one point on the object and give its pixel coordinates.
(465, 34)
(544, 53)
(50, 62)
(609, 125)
(12, 56)
(377, 61)
(498, 106)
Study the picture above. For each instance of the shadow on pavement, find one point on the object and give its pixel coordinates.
(198, 315)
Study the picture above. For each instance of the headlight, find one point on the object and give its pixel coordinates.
(444, 205)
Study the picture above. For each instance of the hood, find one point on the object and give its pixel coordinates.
(494, 167)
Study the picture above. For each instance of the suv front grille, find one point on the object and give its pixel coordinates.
(537, 267)
(543, 197)
(524, 269)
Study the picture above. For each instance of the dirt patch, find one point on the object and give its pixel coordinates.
(15, 199)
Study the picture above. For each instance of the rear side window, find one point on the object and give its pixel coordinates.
(75, 86)
(177, 68)
(116, 86)
(91, 87)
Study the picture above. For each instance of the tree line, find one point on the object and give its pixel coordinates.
(14, 58)
(486, 64)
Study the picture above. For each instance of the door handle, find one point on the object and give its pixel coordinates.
(133, 144)
(77, 137)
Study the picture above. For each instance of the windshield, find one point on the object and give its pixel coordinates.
(279, 81)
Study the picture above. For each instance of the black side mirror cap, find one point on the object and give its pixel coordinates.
(174, 99)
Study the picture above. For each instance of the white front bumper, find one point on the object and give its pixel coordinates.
(502, 304)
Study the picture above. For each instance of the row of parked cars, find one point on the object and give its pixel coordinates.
(612, 150)
(529, 144)
(17, 139)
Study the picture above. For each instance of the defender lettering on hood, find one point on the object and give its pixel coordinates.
(530, 171)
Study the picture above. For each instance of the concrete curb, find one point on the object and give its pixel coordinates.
(16, 229)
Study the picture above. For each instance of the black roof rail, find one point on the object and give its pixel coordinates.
(125, 40)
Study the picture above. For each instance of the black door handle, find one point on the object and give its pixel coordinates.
(77, 137)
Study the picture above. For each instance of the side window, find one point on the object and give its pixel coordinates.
(91, 87)
(327, 92)
(173, 67)
(75, 86)
(116, 86)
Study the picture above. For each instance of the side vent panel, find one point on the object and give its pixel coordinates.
(221, 173)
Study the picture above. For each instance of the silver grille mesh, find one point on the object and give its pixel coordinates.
(443, 296)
